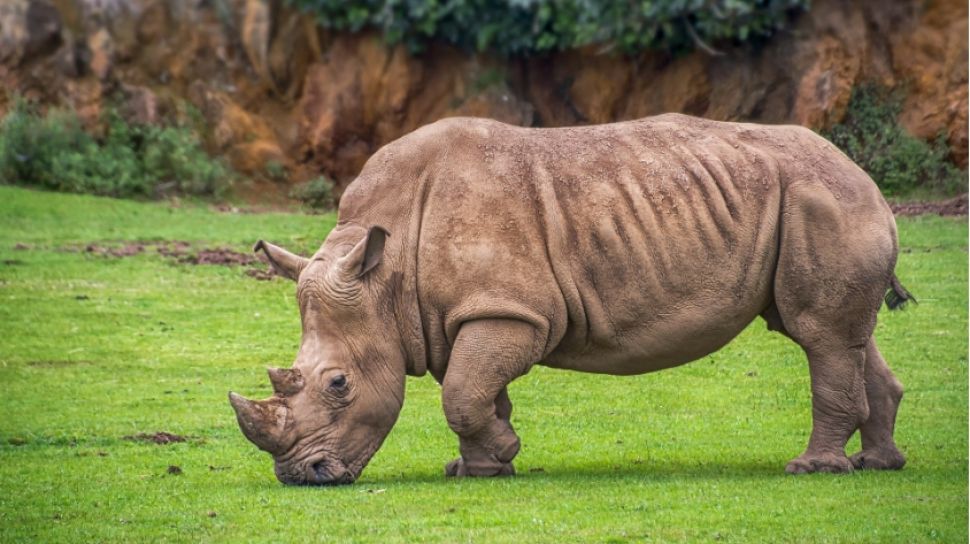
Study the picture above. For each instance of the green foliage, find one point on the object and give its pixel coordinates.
(531, 26)
(899, 162)
(95, 349)
(275, 171)
(316, 194)
(54, 152)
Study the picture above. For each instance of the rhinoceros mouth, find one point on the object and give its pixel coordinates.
(319, 470)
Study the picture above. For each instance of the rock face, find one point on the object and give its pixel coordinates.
(285, 100)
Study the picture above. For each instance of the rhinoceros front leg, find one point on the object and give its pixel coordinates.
(487, 356)
(481, 463)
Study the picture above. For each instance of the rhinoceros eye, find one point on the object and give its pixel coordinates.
(339, 382)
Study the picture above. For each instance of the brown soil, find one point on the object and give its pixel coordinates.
(219, 256)
(161, 438)
(174, 248)
(262, 275)
(126, 250)
(183, 253)
(952, 207)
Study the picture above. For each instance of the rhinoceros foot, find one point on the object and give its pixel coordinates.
(828, 462)
(459, 468)
(878, 459)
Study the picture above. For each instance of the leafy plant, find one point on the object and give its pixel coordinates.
(533, 26)
(275, 171)
(899, 162)
(316, 194)
(53, 151)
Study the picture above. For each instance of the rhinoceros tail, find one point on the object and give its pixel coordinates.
(898, 296)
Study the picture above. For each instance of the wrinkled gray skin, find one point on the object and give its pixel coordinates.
(471, 249)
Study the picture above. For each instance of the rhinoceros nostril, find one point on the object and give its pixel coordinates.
(322, 474)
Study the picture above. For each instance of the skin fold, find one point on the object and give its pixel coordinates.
(472, 250)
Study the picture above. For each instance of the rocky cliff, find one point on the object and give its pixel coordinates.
(283, 99)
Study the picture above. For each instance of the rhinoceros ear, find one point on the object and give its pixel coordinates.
(366, 255)
(286, 381)
(263, 422)
(285, 263)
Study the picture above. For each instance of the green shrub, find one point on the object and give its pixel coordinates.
(275, 171)
(530, 26)
(53, 152)
(316, 194)
(899, 162)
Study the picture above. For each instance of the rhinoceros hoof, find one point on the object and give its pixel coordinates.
(878, 459)
(460, 468)
(819, 463)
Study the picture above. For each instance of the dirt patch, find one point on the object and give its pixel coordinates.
(184, 253)
(225, 208)
(161, 438)
(20, 246)
(261, 274)
(126, 250)
(174, 469)
(953, 207)
(12, 262)
(175, 248)
(219, 256)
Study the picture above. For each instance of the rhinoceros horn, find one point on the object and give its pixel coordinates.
(286, 381)
(263, 422)
(285, 263)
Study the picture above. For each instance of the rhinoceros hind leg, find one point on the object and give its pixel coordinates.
(836, 257)
(838, 408)
(488, 354)
(835, 462)
(884, 393)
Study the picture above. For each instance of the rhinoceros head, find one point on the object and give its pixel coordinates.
(332, 410)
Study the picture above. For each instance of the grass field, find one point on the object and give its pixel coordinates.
(95, 348)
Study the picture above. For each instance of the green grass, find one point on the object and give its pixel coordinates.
(94, 348)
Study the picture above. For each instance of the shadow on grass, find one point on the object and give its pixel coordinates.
(571, 474)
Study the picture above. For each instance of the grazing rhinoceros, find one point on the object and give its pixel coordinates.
(472, 249)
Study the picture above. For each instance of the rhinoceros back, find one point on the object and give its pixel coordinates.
(632, 246)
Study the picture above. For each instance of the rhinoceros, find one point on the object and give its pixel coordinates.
(472, 250)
